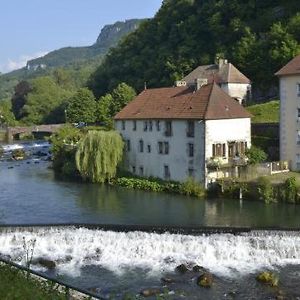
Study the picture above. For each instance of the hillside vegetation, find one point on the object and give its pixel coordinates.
(258, 36)
(78, 62)
(265, 112)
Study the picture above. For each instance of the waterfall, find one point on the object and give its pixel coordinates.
(224, 254)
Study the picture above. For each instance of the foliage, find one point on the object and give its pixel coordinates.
(259, 37)
(192, 188)
(255, 155)
(140, 184)
(15, 285)
(265, 112)
(1, 151)
(18, 100)
(82, 107)
(44, 98)
(265, 190)
(98, 155)
(18, 154)
(290, 190)
(6, 115)
(110, 104)
(63, 149)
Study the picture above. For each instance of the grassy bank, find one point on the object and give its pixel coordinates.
(265, 112)
(15, 286)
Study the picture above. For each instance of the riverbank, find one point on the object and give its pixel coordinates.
(16, 285)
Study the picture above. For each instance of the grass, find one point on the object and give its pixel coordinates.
(15, 286)
(265, 112)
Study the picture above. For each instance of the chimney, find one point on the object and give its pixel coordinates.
(222, 62)
(180, 83)
(200, 82)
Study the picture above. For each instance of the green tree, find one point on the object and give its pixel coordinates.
(256, 155)
(121, 96)
(82, 107)
(103, 110)
(6, 115)
(98, 155)
(44, 98)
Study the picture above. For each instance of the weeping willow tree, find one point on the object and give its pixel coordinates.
(98, 155)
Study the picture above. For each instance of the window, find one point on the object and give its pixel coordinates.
(134, 125)
(128, 146)
(167, 173)
(191, 172)
(158, 125)
(167, 147)
(133, 169)
(190, 129)
(298, 89)
(160, 147)
(191, 150)
(150, 125)
(123, 125)
(141, 171)
(219, 150)
(149, 148)
(298, 137)
(298, 113)
(168, 131)
(145, 126)
(141, 145)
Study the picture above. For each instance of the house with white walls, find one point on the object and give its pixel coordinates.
(227, 76)
(179, 132)
(289, 82)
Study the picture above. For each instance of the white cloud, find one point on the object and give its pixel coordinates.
(14, 64)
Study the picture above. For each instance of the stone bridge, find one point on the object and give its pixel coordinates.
(12, 131)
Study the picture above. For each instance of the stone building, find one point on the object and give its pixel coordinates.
(179, 132)
(227, 76)
(289, 79)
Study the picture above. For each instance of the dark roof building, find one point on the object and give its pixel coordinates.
(209, 102)
(292, 68)
(223, 72)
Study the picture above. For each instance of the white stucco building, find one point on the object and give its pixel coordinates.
(227, 76)
(289, 78)
(175, 133)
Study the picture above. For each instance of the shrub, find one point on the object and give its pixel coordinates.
(18, 154)
(141, 184)
(290, 190)
(1, 151)
(265, 190)
(256, 155)
(192, 188)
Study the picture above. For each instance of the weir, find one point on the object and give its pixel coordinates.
(227, 254)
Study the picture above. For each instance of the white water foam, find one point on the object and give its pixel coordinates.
(25, 146)
(224, 254)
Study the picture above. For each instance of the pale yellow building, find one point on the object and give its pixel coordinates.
(289, 78)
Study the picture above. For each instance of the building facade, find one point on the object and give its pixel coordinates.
(175, 133)
(289, 82)
(227, 76)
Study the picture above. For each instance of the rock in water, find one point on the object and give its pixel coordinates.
(205, 280)
(150, 292)
(47, 263)
(181, 269)
(268, 278)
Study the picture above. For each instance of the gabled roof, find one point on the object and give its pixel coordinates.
(225, 73)
(292, 68)
(210, 102)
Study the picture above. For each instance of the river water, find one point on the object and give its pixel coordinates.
(115, 263)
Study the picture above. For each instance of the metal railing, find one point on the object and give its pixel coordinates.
(65, 286)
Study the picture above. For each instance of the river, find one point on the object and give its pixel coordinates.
(115, 263)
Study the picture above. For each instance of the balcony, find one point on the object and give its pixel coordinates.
(217, 163)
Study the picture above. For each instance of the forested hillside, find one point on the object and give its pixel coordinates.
(258, 36)
(78, 62)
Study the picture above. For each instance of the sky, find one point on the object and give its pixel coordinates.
(32, 28)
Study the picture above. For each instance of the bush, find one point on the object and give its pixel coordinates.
(141, 184)
(290, 190)
(192, 188)
(256, 155)
(265, 190)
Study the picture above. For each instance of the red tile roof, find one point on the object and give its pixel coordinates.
(209, 102)
(292, 68)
